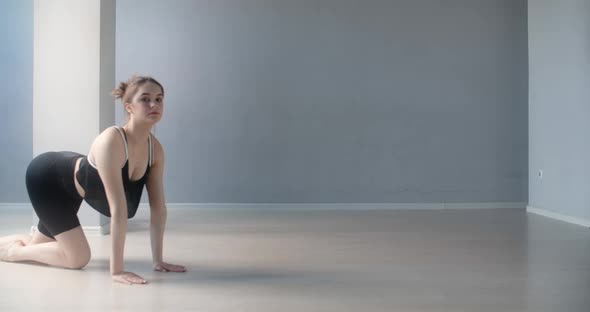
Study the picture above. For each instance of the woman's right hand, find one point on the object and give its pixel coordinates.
(128, 278)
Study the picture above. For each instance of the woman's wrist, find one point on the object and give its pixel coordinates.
(117, 269)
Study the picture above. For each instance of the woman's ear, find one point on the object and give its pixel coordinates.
(128, 107)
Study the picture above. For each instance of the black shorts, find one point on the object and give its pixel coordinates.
(52, 190)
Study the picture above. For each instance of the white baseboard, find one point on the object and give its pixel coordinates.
(143, 209)
(96, 230)
(322, 206)
(558, 216)
(348, 206)
(101, 230)
(105, 228)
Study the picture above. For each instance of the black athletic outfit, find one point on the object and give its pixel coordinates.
(52, 190)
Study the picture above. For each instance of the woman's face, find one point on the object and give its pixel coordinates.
(147, 104)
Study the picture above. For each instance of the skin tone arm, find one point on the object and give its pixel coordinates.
(109, 155)
(158, 212)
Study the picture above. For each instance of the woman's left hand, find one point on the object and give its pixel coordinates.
(167, 267)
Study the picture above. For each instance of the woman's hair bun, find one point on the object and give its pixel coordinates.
(119, 92)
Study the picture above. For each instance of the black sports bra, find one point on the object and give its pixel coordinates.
(95, 195)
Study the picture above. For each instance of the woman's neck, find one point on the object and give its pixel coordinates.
(137, 133)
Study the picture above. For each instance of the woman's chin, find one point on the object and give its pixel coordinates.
(154, 118)
(150, 121)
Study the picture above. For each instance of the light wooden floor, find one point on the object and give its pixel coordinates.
(262, 260)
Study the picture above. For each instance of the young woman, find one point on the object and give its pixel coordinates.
(121, 161)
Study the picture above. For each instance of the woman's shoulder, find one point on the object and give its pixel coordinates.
(110, 135)
(112, 130)
(158, 149)
(155, 141)
(109, 144)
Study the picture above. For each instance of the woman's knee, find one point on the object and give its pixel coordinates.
(78, 259)
(75, 248)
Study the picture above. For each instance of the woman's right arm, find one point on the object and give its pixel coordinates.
(108, 152)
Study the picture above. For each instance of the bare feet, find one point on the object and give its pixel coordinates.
(7, 250)
(7, 240)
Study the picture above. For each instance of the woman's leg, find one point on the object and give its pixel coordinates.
(5, 240)
(49, 181)
(28, 239)
(69, 250)
(39, 238)
(36, 238)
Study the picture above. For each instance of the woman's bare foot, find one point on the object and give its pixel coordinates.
(8, 240)
(7, 251)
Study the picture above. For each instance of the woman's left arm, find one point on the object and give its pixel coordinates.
(155, 188)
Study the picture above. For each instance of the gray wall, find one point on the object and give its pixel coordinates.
(336, 100)
(312, 101)
(16, 106)
(559, 42)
